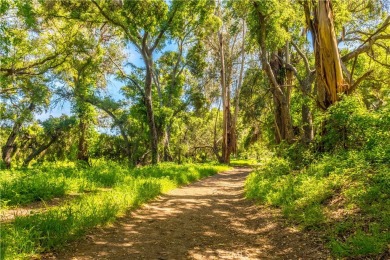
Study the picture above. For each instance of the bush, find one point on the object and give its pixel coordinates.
(345, 182)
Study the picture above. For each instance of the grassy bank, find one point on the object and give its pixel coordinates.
(124, 189)
(345, 196)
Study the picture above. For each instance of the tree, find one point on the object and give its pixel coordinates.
(28, 55)
(332, 76)
(147, 25)
(54, 128)
(330, 80)
(266, 21)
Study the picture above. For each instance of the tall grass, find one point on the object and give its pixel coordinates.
(343, 195)
(30, 235)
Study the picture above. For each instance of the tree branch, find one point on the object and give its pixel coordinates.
(359, 80)
(124, 75)
(303, 56)
(163, 30)
(110, 19)
(366, 45)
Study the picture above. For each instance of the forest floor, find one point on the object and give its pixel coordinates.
(209, 219)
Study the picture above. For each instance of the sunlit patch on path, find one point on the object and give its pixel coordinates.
(209, 219)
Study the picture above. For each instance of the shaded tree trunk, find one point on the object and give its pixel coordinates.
(307, 119)
(276, 75)
(82, 154)
(306, 87)
(281, 99)
(150, 113)
(38, 151)
(226, 122)
(8, 150)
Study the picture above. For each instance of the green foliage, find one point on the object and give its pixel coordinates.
(30, 235)
(314, 196)
(344, 192)
(243, 162)
(350, 125)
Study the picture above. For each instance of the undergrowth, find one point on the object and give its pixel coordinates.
(244, 162)
(342, 195)
(30, 235)
(342, 191)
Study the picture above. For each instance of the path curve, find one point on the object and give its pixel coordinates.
(209, 219)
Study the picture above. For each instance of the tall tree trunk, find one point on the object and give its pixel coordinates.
(150, 115)
(273, 70)
(226, 122)
(237, 94)
(167, 138)
(9, 148)
(281, 98)
(330, 81)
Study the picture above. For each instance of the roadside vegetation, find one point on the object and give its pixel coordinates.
(105, 103)
(106, 191)
(343, 192)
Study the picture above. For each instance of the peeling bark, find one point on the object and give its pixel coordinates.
(330, 81)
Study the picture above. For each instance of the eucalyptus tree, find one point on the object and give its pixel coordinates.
(219, 61)
(269, 22)
(231, 49)
(369, 31)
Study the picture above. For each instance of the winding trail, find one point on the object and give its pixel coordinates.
(209, 219)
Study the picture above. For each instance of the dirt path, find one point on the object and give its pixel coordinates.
(209, 219)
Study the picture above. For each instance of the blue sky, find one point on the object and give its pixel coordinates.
(113, 87)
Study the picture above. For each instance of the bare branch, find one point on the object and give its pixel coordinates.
(359, 80)
(124, 75)
(303, 56)
(366, 45)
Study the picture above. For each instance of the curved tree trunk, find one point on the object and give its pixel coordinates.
(38, 151)
(275, 73)
(8, 150)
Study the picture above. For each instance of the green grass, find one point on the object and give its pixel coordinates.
(243, 162)
(31, 235)
(313, 196)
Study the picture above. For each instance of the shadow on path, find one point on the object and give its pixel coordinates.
(209, 219)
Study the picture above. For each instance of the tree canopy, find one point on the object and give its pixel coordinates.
(212, 78)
